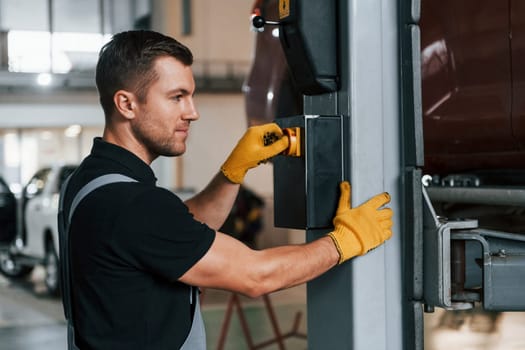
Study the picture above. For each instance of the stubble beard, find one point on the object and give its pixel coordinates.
(157, 140)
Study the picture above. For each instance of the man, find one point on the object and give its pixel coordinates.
(136, 249)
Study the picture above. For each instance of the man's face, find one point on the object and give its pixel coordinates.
(163, 120)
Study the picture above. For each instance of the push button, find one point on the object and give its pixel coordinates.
(294, 135)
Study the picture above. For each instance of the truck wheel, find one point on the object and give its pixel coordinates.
(52, 271)
(9, 267)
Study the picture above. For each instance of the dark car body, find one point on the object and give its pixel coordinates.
(8, 205)
(473, 85)
(269, 90)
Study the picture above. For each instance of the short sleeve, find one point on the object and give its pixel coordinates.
(161, 236)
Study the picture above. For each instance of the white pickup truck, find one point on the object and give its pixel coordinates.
(37, 238)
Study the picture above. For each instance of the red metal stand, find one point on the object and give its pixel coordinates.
(234, 301)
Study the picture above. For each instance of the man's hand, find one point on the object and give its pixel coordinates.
(357, 230)
(258, 144)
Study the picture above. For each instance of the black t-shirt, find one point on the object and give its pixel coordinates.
(130, 242)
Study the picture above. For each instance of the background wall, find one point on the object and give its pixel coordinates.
(220, 29)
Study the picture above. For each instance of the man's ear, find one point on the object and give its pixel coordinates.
(125, 103)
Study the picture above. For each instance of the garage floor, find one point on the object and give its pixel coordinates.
(29, 319)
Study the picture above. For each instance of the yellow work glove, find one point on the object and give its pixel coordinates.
(258, 144)
(357, 230)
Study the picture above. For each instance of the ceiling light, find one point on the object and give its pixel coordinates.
(44, 79)
(73, 131)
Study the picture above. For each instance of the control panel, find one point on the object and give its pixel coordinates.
(307, 31)
(307, 175)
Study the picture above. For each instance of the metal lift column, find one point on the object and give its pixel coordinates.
(360, 123)
(359, 305)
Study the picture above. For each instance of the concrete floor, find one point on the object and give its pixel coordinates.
(474, 329)
(29, 319)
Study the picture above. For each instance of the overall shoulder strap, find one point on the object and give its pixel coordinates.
(63, 237)
(93, 185)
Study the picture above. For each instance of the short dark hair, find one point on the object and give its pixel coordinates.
(126, 62)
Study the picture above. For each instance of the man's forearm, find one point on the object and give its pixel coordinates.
(213, 204)
(289, 265)
(231, 265)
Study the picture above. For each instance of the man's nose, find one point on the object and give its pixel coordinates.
(191, 113)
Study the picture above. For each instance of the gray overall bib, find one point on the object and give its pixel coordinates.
(196, 339)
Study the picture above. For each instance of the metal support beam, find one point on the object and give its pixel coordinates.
(359, 304)
(479, 195)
